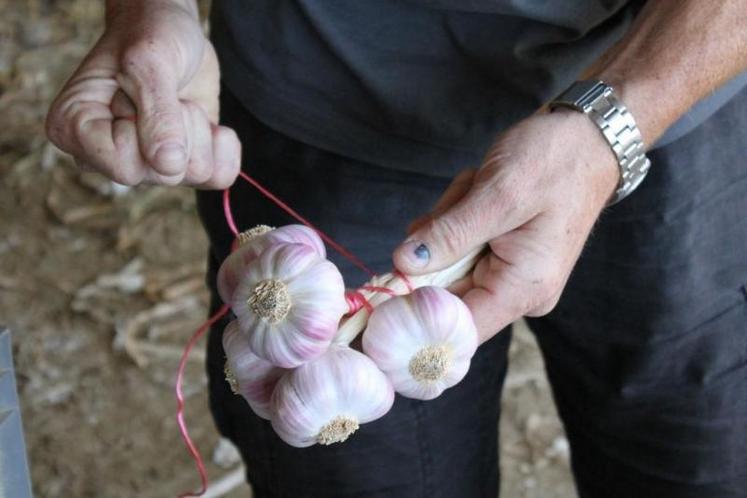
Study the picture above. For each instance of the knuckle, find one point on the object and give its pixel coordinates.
(74, 120)
(546, 292)
(58, 126)
(200, 172)
(171, 181)
(77, 125)
(193, 108)
(53, 127)
(499, 191)
(164, 125)
(221, 178)
(165, 119)
(56, 135)
(126, 176)
(545, 307)
(139, 55)
(229, 135)
(83, 165)
(505, 198)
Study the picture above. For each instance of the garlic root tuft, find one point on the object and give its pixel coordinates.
(233, 382)
(337, 430)
(248, 235)
(430, 364)
(270, 300)
(353, 325)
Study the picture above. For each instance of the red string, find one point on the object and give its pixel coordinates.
(383, 290)
(227, 212)
(356, 301)
(406, 280)
(285, 207)
(180, 401)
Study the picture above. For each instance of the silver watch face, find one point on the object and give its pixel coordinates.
(583, 93)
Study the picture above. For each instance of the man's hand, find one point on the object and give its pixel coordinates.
(544, 182)
(143, 105)
(533, 201)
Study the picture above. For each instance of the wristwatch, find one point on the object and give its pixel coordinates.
(597, 100)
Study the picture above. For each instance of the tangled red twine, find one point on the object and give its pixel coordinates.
(180, 401)
(355, 300)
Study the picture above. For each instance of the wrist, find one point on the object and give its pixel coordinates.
(601, 105)
(119, 11)
(595, 158)
(638, 94)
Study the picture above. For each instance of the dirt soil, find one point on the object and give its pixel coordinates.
(101, 286)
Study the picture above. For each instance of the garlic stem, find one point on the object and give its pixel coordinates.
(355, 324)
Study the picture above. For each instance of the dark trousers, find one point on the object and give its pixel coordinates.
(646, 351)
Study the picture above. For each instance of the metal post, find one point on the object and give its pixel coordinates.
(14, 470)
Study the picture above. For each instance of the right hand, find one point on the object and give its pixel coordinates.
(143, 105)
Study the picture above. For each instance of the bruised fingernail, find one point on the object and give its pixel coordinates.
(416, 253)
(171, 154)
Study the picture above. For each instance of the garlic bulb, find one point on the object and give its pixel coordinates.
(423, 341)
(289, 303)
(399, 284)
(252, 243)
(324, 401)
(249, 375)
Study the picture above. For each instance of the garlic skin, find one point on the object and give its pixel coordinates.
(288, 304)
(252, 243)
(249, 375)
(324, 401)
(423, 341)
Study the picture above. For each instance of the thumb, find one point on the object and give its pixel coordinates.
(445, 239)
(153, 87)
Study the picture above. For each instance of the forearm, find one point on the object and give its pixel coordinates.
(116, 9)
(676, 53)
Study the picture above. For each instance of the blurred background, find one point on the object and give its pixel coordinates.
(102, 285)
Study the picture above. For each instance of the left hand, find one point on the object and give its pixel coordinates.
(534, 201)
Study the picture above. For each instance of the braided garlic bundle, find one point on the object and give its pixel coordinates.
(288, 351)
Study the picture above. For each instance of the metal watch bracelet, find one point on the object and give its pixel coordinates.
(597, 100)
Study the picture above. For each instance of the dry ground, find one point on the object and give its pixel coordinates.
(102, 285)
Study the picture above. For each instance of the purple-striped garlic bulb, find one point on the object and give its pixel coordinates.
(251, 244)
(249, 375)
(288, 304)
(325, 400)
(423, 341)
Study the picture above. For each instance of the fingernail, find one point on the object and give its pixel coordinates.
(416, 253)
(171, 154)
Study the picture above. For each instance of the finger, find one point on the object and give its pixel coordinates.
(497, 297)
(226, 158)
(82, 101)
(200, 166)
(461, 286)
(153, 87)
(454, 193)
(110, 146)
(419, 222)
(83, 165)
(468, 224)
(122, 107)
(523, 275)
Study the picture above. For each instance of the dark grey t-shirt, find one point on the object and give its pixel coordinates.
(409, 84)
